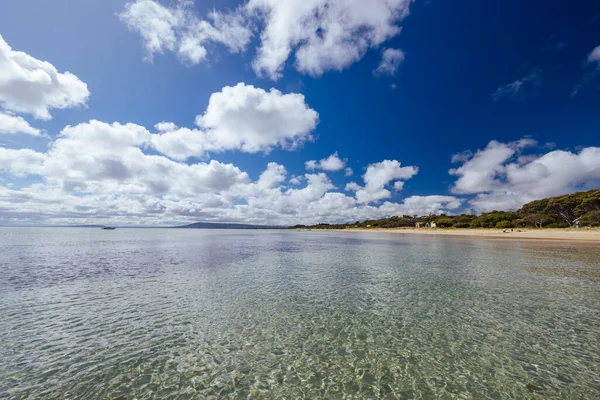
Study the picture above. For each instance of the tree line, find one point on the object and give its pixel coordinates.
(576, 209)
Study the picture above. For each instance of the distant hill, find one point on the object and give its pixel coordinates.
(214, 225)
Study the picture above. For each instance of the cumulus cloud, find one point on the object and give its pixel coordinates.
(422, 205)
(114, 168)
(21, 162)
(521, 89)
(31, 86)
(180, 30)
(254, 120)
(377, 177)
(296, 180)
(97, 172)
(504, 179)
(348, 171)
(89, 180)
(243, 118)
(352, 187)
(477, 173)
(331, 163)
(390, 62)
(109, 158)
(323, 35)
(10, 124)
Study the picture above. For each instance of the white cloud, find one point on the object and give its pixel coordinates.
(272, 177)
(21, 162)
(324, 34)
(348, 171)
(242, 118)
(377, 177)
(521, 89)
(390, 62)
(102, 158)
(331, 163)
(31, 86)
(13, 124)
(100, 173)
(254, 120)
(594, 56)
(593, 59)
(352, 187)
(462, 157)
(477, 173)
(422, 205)
(165, 126)
(504, 180)
(101, 170)
(180, 30)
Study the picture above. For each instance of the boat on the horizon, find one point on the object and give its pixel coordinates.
(108, 228)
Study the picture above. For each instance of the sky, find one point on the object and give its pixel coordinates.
(293, 112)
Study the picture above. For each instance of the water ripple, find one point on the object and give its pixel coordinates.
(178, 314)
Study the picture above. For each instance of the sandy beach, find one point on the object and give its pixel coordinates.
(587, 235)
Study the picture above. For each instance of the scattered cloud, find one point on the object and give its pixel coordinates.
(124, 173)
(348, 171)
(244, 118)
(377, 177)
(323, 35)
(108, 159)
(11, 124)
(21, 162)
(521, 89)
(390, 62)
(31, 86)
(462, 156)
(352, 187)
(503, 179)
(593, 61)
(296, 180)
(180, 30)
(415, 205)
(594, 56)
(99, 172)
(331, 163)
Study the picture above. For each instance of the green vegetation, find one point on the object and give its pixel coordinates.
(581, 208)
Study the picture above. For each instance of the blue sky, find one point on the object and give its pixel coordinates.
(511, 88)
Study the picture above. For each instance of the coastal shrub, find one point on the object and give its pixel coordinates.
(444, 222)
(591, 218)
(558, 212)
(504, 225)
(462, 225)
(519, 223)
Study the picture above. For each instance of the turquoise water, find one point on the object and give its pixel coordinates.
(170, 314)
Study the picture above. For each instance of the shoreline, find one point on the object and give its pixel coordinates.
(584, 235)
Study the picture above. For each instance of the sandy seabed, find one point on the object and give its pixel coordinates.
(588, 235)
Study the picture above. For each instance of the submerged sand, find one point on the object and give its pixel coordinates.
(589, 235)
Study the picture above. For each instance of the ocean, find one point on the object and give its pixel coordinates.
(186, 314)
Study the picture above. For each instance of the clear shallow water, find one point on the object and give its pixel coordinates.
(159, 314)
